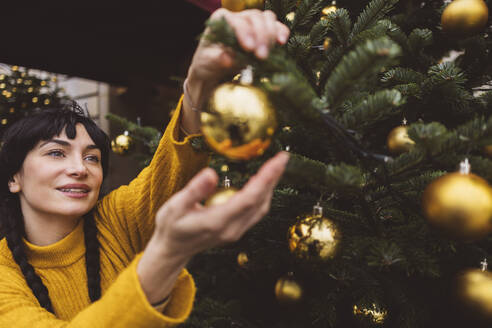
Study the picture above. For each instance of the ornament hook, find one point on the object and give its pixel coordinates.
(484, 264)
(465, 167)
(317, 210)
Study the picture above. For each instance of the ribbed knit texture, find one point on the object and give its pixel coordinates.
(125, 222)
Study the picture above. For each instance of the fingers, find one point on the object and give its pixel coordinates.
(256, 30)
(200, 187)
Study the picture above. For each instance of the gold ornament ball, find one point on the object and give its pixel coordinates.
(463, 18)
(374, 314)
(287, 290)
(328, 10)
(326, 44)
(239, 121)
(221, 196)
(314, 237)
(121, 144)
(240, 5)
(398, 141)
(242, 259)
(290, 16)
(474, 291)
(459, 205)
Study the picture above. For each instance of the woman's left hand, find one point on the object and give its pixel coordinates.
(256, 31)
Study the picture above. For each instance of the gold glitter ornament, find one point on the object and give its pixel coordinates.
(328, 10)
(4, 121)
(459, 205)
(290, 16)
(398, 141)
(240, 5)
(288, 290)
(314, 237)
(122, 144)
(463, 18)
(239, 121)
(374, 314)
(242, 259)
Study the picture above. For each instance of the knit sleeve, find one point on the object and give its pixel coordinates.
(124, 304)
(129, 211)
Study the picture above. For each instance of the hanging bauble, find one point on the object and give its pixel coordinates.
(290, 16)
(474, 292)
(398, 141)
(329, 9)
(314, 237)
(288, 290)
(463, 18)
(240, 5)
(242, 259)
(459, 205)
(122, 144)
(373, 315)
(326, 44)
(239, 121)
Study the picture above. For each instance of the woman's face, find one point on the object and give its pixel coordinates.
(60, 178)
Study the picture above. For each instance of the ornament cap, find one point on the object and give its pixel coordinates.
(247, 75)
(227, 182)
(484, 264)
(317, 211)
(465, 167)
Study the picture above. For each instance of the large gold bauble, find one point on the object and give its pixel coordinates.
(463, 18)
(287, 290)
(374, 314)
(220, 196)
(459, 205)
(121, 144)
(240, 5)
(239, 121)
(398, 141)
(314, 237)
(474, 291)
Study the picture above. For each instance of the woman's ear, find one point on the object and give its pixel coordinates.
(14, 185)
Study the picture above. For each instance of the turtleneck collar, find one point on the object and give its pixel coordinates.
(62, 253)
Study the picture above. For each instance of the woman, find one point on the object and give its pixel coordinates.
(125, 253)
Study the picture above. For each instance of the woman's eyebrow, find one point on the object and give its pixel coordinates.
(65, 143)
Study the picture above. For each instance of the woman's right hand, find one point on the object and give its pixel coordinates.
(184, 227)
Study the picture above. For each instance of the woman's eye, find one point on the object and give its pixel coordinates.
(56, 153)
(93, 158)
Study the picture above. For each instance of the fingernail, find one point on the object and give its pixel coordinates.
(283, 38)
(262, 51)
(249, 42)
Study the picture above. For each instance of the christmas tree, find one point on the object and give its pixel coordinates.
(22, 92)
(383, 217)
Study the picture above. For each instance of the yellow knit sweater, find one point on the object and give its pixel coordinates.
(125, 222)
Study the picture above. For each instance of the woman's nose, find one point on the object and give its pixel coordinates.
(77, 168)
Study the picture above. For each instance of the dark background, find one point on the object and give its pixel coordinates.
(116, 42)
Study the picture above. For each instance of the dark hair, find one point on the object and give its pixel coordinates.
(18, 140)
